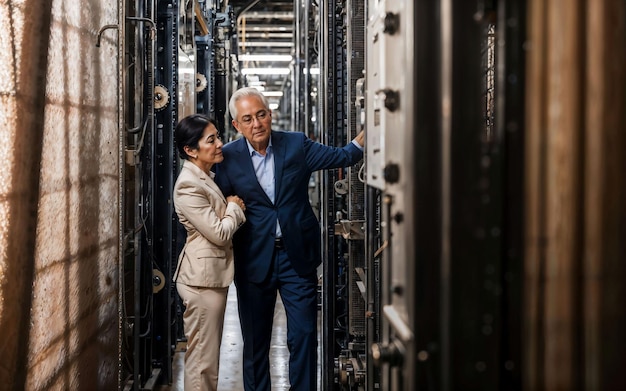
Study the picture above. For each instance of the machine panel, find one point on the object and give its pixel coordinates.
(389, 64)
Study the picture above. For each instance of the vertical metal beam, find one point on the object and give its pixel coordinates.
(425, 271)
(296, 108)
(372, 309)
(446, 129)
(510, 127)
(122, 199)
(306, 77)
(328, 276)
(604, 192)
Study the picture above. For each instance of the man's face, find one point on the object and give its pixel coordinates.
(254, 121)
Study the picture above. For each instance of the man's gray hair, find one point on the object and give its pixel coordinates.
(243, 92)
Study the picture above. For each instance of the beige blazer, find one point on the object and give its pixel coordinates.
(210, 221)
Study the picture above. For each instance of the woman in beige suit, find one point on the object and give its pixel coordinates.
(205, 266)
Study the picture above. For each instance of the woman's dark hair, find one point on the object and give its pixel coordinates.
(189, 131)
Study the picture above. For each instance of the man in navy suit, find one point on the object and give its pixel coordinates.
(278, 248)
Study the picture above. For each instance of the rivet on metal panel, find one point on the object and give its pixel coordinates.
(391, 23)
(391, 173)
(397, 290)
(392, 353)
(391, 98)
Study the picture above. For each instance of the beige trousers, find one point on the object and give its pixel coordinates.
(203, 322)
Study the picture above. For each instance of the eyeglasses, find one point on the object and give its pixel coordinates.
(260, 116)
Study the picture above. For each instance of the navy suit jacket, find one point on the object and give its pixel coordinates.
(296, 157)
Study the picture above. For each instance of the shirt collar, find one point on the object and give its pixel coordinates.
(252, 151)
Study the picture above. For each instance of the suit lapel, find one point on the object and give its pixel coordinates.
(279, 162)
(205, 178)
(245, 158)
(213, 186)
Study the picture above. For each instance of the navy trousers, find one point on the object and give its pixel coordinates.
(256, 304)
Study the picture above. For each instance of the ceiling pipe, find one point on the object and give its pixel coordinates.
(245, 9)
(240, 17)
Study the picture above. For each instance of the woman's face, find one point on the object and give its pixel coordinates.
(209, 149)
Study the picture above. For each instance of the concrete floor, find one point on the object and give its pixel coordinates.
(231, 377)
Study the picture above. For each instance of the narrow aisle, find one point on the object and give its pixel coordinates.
(231, 376)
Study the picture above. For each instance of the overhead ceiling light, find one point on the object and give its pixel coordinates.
(273, 93)
(265, 71)
(273, 106)
(265, 57)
